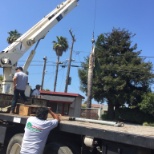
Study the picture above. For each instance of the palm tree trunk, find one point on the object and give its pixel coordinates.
(89, 85)
(90, 80)
(57, 66)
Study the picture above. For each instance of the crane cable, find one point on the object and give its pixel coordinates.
(94, 21)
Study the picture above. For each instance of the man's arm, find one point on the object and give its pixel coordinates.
(55, 116)
(27, 78)
(14, 82)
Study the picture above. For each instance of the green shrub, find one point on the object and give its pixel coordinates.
(104, 116)
(148, 124)
(133, 116)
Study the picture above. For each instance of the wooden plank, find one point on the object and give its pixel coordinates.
(23, 110)
(27, 110)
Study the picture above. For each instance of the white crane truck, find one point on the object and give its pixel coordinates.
(73, 135)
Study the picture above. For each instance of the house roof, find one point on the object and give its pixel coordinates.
(96, 105)
(59, 97)
(43, 92)
(105, 107)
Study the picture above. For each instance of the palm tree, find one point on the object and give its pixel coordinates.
(59, 46)
(1, 78)
(13, 36)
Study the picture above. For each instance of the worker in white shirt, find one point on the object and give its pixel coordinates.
(36, 91)
(37, 130)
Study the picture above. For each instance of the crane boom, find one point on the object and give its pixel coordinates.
(10, 55)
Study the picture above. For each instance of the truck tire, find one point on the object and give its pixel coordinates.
(14, 145)
(57, 148)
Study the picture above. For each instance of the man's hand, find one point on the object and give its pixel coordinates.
(54, 115)
(14, 87)
(50, 109)
(14, 82)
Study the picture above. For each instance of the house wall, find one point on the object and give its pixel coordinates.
(75, 107)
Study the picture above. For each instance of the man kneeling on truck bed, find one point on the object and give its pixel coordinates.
(37, 130)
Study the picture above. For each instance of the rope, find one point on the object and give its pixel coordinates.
(94, 22)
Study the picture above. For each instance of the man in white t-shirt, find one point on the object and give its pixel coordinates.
(37, 130)
(36, 91)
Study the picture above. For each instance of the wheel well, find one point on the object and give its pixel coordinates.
(14, 145)
(71, 140)
(13, 129)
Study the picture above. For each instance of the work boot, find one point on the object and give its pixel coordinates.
(12, 112)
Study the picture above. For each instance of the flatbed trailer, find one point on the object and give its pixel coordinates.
(76, 137)
(70, 137)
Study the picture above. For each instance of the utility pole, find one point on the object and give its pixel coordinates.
(43, 73)
(90, 74)
(69, 61)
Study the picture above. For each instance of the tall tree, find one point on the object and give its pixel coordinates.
(123, 76)
(59, 46)
(13, 36)
(147, 104)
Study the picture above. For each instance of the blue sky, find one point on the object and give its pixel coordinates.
(99, 16)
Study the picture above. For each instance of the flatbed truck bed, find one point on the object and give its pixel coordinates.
(127, 137)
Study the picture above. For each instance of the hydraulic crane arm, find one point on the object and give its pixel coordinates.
(10, 55)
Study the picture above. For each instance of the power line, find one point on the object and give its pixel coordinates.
(63, 66)
(80, 52)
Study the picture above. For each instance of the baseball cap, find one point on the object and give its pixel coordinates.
(38, 86)
(19, 68)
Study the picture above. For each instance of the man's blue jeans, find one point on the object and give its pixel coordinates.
(16, 97)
